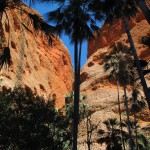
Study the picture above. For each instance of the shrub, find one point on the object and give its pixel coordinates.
(30, 122)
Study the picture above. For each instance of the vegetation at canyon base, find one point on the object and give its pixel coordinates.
(121, 70)
(69, 19)
(30, 122)
(112, 136)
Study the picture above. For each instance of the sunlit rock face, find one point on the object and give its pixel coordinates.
(45, 69)
(109, 33)
(94, 80)
(100, 91)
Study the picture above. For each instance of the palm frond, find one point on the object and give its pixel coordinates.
(146, 40)
(141, 103)
(101, 132)
(135, 108)
(145, 72)
(40, 24)
(5, 58)
(142, 139)
(102, 140)
(113, 10)
(74, 19)
(123, 124)
(107, 67)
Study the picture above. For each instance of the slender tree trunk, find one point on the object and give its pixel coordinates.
(119, 108)
(76, 84)
(128, 119)
(88, 134)
(136, 134)
(76, 97)
(1, 31)
(140, 72)
(1, 37)
(79, 61)
(144, 8)
(77, 92)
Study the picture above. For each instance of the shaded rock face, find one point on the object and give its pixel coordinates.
(102, 93)
(35, 64)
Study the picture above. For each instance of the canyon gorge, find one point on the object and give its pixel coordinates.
(47, 70)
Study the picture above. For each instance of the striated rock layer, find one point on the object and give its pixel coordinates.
(35, 64)
(101, 93)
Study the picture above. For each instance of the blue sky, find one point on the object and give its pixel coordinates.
(43, 9)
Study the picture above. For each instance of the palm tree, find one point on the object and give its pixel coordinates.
(140, 72)
(137, 105)
(5, 56)
(121, 64)
(112, 136)
(144, 8)
(38, 23)
(112, 65)
(140, 141)
(74, 19)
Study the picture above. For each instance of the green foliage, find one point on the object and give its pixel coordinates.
(74, 19)
(146, 40)
(137, 101)
(69, 111)
(112, 9)
(29, 122)
(112, 135)
(119, 64)
(37, 21)
(142, 140)
(5, 58)
(69, 106)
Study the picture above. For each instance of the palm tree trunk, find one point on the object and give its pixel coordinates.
(1, 46)
(1, 31)
(79, 61)
(144, 8)
(128, 119)
(88, 141)
(143, 82)
(77, 92)
(76, 97)
(119, 108)
(136, 134)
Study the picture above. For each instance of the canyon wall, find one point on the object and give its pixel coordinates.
(100, 91)
(109, 33)
(35, 63)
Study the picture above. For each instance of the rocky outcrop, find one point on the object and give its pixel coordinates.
(45, 68)
(102, 93)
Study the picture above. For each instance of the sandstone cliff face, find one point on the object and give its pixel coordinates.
(44, 68)
(102, 94)
(109, 33)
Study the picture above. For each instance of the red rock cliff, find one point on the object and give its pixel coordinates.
(46, 69)
(102, 93)
(109, 33)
